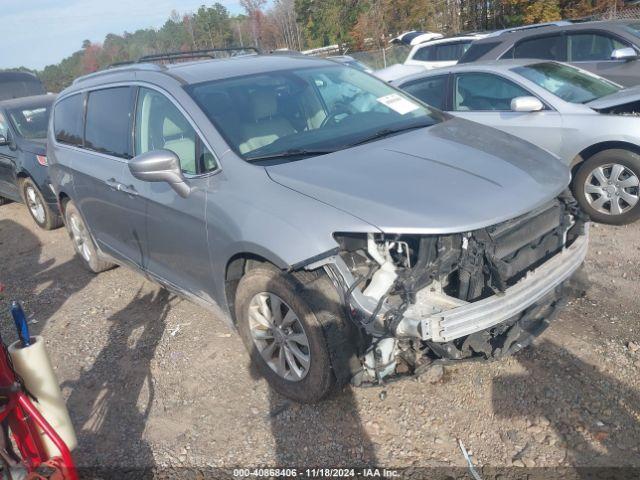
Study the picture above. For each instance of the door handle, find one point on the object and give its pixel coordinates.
(130, 190)
(113, 183)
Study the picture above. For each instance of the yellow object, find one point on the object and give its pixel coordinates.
(33, 365)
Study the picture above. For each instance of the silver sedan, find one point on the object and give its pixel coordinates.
(591, 123)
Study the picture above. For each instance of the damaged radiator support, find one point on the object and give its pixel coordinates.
(421, 297)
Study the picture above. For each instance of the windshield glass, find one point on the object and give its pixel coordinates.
(311, 109)
(568, 83)
(356, 64)
(31, 122)
(633, 28)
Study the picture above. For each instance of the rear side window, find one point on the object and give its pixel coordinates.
(478, 50)
(431, 91)
(67, 123)
(545, 48)
(108, 124)
(423, 54)
(450, 52)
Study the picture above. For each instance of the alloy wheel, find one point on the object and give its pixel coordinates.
(80, 236)
(612, 189)
(279, 336)
(34, 203)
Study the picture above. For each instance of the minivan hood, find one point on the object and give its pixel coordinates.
(622, 97)
(452, 177)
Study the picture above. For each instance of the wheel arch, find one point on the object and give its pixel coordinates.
(590, 151)
(63, 198)
(237, 266)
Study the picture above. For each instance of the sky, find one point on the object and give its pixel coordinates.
(36, 33)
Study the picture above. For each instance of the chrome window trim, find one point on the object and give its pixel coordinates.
(151, 86)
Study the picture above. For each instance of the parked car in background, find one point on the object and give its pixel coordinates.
(24, 175)
(19, 84)
(442, 52)
(608, 48)
(348, 231)
(415, 37)
(349, 61)
(592, 124)
(396, 71)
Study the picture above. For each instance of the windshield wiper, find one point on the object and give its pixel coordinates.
(385, 132)
(294, 152)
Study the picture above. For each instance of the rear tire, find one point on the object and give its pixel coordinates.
(4, 201)
(606, 186)
(82, 241)
(44, 216)
(314, 302)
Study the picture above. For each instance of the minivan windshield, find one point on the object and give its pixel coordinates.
(309, 111)
(568, 83)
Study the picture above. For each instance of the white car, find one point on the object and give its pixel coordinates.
(415, 37)
(590, 123)
(442, 52)
(438, 53)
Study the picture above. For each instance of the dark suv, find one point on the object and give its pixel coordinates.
(24, 175)
(607, 48)
(19, 84)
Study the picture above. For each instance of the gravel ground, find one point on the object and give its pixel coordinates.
(152, 379)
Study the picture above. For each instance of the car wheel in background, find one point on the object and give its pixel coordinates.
(607, 186)
(82, 240)
(286, 323)
(40, 211)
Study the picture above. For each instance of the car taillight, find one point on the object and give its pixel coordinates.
(42, 160)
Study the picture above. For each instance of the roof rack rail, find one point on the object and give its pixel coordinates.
(121, 64)
(191, 54)
(558, 23)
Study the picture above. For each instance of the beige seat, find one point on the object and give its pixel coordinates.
(184, 147)
(267, 126)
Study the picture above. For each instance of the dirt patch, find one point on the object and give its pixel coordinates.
(152, 379)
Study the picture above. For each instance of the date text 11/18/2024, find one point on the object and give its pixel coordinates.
(316, 472)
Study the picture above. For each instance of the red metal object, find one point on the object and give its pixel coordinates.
(25, 422)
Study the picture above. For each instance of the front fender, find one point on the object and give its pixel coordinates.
(607, 129)
(273, 222)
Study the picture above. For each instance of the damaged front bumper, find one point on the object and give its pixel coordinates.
(478, 294)
(468, 318)
(441, 318)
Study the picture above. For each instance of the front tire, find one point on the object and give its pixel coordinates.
(607, 186)
(82, 240)
(44, 216)
(285, 321)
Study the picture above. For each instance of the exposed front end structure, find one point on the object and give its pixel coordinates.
(483, 293)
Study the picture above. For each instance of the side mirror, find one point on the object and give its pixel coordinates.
(160, 166)
(526, 104)
(626, 53)
(3, 140)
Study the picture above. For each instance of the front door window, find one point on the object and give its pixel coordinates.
(160, 125)
(485, 92)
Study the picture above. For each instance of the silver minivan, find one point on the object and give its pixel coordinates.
(349, 232)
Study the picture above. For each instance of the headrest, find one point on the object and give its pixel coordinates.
(265, 104)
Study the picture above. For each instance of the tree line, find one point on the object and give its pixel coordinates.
(302, 24)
